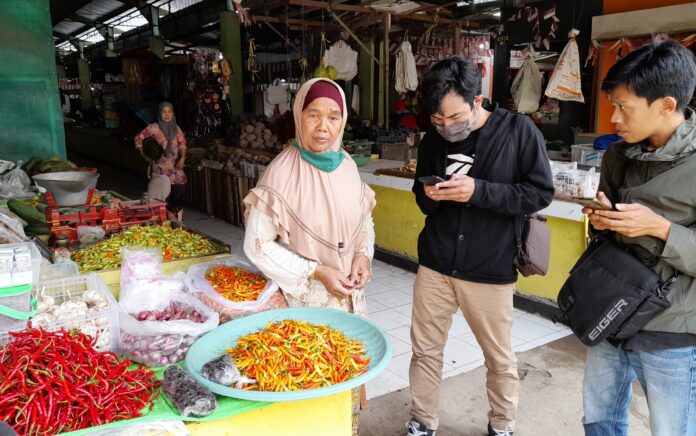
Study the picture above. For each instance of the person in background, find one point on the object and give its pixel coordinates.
(167, 134)
(496, 170)
(648, 178)
(309, 219)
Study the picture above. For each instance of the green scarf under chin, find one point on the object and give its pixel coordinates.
(326, 161)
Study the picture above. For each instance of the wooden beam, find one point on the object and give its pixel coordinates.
(290, 21)
(350, 32)
(368, 10)
(334, 6)
(285, 38)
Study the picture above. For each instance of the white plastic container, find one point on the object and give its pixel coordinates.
(586, 154)
(228, 310)
(99, 321)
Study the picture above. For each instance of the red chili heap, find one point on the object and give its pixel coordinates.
(53, 382)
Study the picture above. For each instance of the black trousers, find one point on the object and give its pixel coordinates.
(176, 198)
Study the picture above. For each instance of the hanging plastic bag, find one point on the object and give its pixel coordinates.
(565, 83)
(526, 87)
(342, 57)
(276, 100)
(406, 73)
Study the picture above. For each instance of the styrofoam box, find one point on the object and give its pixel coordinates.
(35, 261)
(587, 155)
(103, 321)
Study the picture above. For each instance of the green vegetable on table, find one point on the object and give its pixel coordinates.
(26, 212)
(175, 244)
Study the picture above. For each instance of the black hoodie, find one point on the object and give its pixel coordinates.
(475, 241)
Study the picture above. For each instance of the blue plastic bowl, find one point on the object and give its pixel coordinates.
(214, 344)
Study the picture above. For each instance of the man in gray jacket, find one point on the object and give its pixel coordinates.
(648, 178)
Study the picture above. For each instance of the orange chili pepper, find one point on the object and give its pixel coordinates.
(235, 284)
(295, 355)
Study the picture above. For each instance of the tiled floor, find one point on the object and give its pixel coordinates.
(389, 301)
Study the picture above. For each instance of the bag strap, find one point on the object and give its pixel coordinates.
(18, 314)
(519, 230)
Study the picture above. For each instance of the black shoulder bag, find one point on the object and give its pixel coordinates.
(610, 293)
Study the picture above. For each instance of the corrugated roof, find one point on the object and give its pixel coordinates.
(67, 27)
(96, 9)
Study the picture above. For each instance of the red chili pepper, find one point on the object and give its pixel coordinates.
(41, 393)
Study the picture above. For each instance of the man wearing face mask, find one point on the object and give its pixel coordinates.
(496, 170)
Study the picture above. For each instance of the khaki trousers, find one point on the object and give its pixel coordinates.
(488, 311)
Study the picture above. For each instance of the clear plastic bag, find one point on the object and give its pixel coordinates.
(16, 183)
(90, 234)
(576, 183)
(139, 266)
(223, 371)
(152, 428)
(12, 223)
(228, 310)
(188, 396)
(155, 339)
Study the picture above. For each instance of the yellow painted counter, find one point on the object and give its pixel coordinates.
(328, 416)
(399, 221)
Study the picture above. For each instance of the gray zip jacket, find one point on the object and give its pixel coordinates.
(665, 181)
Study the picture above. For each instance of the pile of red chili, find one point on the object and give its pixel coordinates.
(53, 382)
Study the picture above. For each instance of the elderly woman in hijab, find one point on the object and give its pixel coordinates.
(309, 219)
(166, 174)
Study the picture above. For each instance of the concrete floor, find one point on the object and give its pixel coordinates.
(550, 399)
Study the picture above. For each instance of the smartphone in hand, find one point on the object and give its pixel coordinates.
(430, 180)
(591, 203)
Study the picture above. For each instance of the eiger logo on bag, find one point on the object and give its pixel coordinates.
(604, 323)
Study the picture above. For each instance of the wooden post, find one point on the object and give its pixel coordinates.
(366, 74)
(457, 39)
(231, 47)
(387, 27)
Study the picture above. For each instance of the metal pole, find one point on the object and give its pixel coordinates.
(387, 26)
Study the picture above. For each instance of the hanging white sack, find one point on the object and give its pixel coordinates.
(355, 104)
(406, 73)
(276, 100)
(565, 83)
(342, 57)
(526, 88)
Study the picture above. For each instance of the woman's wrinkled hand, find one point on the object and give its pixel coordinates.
(335, 282)
(360, 271)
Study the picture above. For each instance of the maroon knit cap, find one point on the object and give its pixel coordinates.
(326, 89)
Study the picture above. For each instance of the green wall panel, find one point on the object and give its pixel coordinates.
(31, 122)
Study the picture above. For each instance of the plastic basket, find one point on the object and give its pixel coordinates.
(228, 310)
(102, 323)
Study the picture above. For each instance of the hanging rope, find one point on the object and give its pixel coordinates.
(303, 62)
(251, 60)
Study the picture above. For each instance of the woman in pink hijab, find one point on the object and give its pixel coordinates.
(309, 219)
